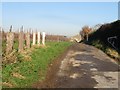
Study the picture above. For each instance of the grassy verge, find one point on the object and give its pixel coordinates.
(23, 73)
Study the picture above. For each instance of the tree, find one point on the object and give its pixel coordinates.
(85, 32)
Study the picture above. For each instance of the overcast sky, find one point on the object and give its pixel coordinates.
(64, 18)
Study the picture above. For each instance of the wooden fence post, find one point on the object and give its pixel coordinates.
(28, 40)
(43, 38)
(34, 38)
(21, 40)
(38, 38)
(10, 41)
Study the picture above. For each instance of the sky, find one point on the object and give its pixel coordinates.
(61, 18)
(119, 10)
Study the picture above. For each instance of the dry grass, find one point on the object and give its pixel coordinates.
(18, 75)
(113, 53)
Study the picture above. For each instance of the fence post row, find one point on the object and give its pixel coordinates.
(10, 39)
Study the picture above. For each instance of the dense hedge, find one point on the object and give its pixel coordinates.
(105, 31)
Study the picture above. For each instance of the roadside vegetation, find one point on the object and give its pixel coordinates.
(106, 38)
(31, 65)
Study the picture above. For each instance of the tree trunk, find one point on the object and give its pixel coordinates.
(87, 37)
(10, 41)
(21, 41)
(28, 40)
(38, 38)
(34, 38)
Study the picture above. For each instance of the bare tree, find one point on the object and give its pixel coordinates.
(85, 32)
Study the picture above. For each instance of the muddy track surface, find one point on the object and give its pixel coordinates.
(82, 66)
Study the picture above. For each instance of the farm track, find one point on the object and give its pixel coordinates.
(82, 66)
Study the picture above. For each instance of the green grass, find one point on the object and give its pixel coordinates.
(35, 69)
(98, 45)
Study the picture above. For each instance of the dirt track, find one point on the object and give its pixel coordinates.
(82, 66)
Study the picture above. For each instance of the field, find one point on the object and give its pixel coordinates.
(33, 67)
